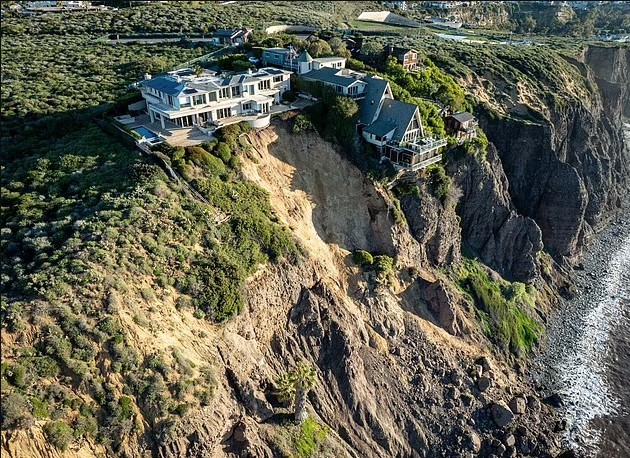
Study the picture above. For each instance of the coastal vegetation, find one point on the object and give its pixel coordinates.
(504, 309)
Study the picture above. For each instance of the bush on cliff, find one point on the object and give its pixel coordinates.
(501, 307)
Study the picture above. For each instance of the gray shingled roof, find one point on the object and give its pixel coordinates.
(164, 84)
(380, 127)
(374, 92)
(329, 75)
(398, 113)
(463, 116)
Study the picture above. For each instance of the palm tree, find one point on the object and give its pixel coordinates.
(294, 387)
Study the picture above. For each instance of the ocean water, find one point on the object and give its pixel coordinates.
(587, 360)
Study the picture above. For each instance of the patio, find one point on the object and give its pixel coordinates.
(175, 135)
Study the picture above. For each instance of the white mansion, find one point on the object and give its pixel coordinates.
(207, 100)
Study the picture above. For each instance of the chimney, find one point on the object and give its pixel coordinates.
(147, 76)
(249, 71)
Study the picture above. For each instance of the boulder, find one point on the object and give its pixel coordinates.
(554, 400)
(509, 440)
(533, 404)
(501, 414)
(518, 405)
(484, 383)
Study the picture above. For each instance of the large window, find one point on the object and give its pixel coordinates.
(247, 106)
(236, 91)
(224, 113)
(225, 93)
(263, 85)
(277, 79)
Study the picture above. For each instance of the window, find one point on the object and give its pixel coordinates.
(263, 85)
(414, 124)
(170, 100)
(224, 113)
(200, 99)
(339, 88)
(236, 91)
(212, 97)
(251, 89)
(247, 106)
(225, 93)
(354, 90)
(277, 79)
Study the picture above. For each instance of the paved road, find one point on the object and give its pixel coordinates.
(156, 40)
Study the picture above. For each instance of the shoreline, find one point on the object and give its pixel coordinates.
(579, 352)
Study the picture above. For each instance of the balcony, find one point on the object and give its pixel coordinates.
(415, 156)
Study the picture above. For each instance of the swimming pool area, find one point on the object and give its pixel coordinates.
(148, 135)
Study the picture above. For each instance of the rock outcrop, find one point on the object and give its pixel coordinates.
(491, 227)
(569, 169)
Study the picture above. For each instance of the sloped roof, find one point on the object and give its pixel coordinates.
(305, 57)
(400, 52)
(167, 85)
(374, 92)
(380, 127)
(398, 113)
(225, 32)
(329, 75)
(463, 116)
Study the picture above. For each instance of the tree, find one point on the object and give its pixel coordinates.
(319, 48)
(372, 49)
(294, 387)
(339, 47)
(529, 24)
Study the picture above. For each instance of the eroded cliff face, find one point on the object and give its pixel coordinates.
(569, 169)
(491, 227)
(398, 372)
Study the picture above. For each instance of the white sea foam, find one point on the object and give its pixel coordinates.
(579, 364)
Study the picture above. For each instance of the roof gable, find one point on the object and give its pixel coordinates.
(399, 114)
(374, 93)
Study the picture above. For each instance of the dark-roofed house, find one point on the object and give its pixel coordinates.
(462, 125)
(343, 81)
(394, 128)
(406, 57)
(231, 37)
(184, 98)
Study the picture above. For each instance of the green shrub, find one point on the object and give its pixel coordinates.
(224, 153)
(40, 408)
(439, 182)
(309, 438)
(362, 258)
(502, 304)
(59, 434)
(302, 123)
(17, 375)
(383, 265)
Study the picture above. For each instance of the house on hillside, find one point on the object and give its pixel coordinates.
(344, 81)
(353, 44)
(231, 37)
(184, 98)
(289, 59)
(394, 128)
(406, 57)
(462, 125)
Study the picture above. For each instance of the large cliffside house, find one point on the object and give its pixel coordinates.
(394, 128)
(183, 98)
(463, 126)
(406, 57)
(289, 59)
